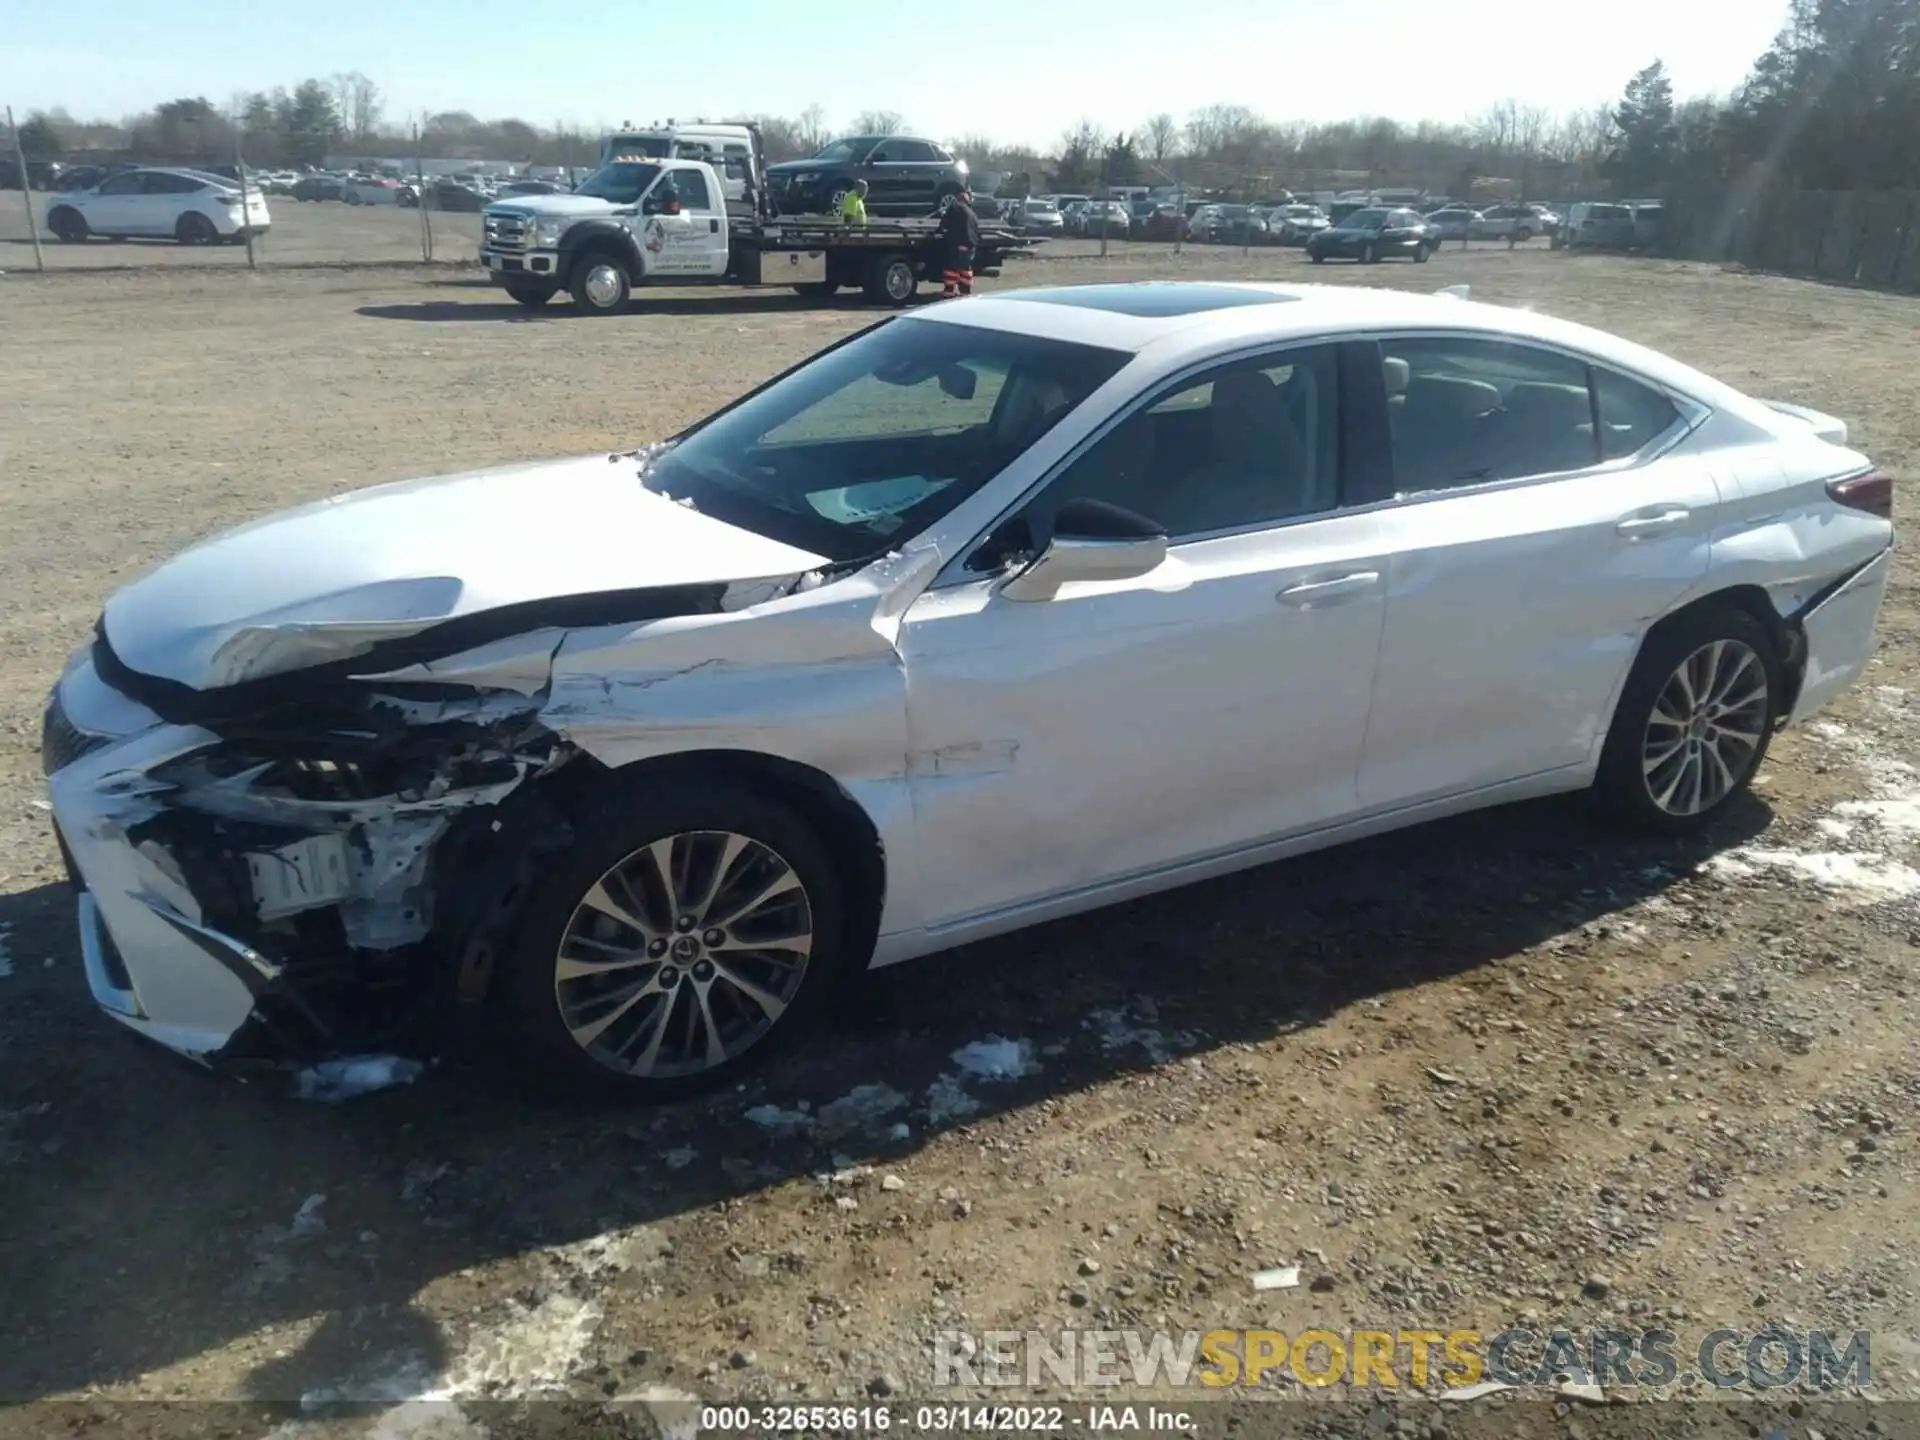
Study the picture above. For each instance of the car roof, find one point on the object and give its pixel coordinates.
(1174, 323)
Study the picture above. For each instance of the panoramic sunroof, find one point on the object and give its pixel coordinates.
(1151, 300)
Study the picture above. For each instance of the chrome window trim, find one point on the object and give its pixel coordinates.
(1692, 415)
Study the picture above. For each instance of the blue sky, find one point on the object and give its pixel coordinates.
(1021, 72)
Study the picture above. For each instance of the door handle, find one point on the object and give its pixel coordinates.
(1658, 522)
(1317, 593)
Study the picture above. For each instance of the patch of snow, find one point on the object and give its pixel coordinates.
(6, 951)
(947, 1102)
(334, 1080)
(680, 1157)
(307, 1219)
(1117, 1028)
(777, 1121)
(531, 1353)
(859, 1108)
(600, 1257)
(899, 1130)
(1833, 829)
(996, 1059)
(990, 1061)
(1899, 814)
(1863, 875)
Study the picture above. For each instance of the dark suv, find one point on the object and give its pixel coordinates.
(904, 175)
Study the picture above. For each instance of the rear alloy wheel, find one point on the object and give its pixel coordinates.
(600, 285)
(691, 931)
(1523, 234)
(68, 225)
(1693, 722)
(193, 228)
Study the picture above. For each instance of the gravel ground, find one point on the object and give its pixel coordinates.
(1508, 1068)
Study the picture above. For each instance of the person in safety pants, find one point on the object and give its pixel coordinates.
(960, 236)
(853, 208)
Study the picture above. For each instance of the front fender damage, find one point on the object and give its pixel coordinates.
(369, 844)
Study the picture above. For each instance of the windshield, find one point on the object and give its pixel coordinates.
(653, 146)
(1364, 220)
(843, 150)
(622, 182)
(1042, 207)
(866, 445)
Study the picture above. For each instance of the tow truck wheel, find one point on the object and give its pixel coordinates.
(531, 296)
(600, 285)
(891, 280)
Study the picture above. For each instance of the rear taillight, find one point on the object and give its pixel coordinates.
(1872, 493)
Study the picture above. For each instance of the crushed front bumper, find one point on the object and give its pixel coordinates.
(233, 921)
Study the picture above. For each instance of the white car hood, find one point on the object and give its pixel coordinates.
(332, 579)
(570, 206)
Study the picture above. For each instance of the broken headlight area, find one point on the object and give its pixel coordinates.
(334, 854)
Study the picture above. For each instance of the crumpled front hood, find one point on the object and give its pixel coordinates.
(336, 577)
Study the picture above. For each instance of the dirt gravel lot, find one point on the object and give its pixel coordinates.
(1507, 1069)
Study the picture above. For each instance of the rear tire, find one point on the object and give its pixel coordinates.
(1701, 700)
(193, 228)
(534, 297)
(613, 860)
(600, 284)
(68, 225)
(890, 280)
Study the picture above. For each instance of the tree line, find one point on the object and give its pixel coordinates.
(1834, 103)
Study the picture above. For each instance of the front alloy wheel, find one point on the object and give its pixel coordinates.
(684, 955)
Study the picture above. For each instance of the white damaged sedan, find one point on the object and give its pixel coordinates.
(992, 613)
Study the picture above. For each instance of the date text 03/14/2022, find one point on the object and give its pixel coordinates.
(944, 1419)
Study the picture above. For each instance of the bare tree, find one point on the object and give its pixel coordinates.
(810, 129)
(1160, 136)
(879, 122)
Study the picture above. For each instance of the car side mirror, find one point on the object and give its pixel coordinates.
(1092, 540)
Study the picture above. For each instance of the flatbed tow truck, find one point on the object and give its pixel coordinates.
(641, 221)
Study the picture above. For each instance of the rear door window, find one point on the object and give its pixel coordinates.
(1474, 410)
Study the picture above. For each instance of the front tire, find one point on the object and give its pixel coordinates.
(68, 225)
(1316, 257)
(600, 285)
(1420, 253)
(1693, 722)
(692, 930)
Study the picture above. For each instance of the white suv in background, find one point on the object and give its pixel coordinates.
(191, 206)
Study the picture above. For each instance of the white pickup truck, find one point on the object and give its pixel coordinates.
(636, 222)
